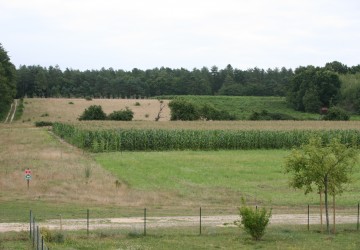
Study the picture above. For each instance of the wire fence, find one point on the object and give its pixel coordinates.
(196, 221)
(36, 237)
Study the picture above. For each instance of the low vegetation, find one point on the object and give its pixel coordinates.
(254, 220)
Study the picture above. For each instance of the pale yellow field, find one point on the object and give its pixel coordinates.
(54, 109)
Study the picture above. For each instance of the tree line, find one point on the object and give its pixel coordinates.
(38, 81)
(306, 88)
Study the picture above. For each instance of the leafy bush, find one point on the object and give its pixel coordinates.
(209, 112)
(254, 221)
(183, 110)
(94, 112)
(122, 115)
(265, 115)
(187, 111)
(336, 114)
(88, 98)
(43, 124)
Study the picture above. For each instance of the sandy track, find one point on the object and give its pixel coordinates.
(10, 116)
(167, 222)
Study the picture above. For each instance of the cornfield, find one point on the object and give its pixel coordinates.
(186, 139)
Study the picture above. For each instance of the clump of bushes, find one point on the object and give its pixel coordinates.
(265, 115)
(181, 109)
(336, 114)
(95, 112)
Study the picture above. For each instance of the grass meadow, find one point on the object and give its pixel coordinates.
(277, 237)
(67, 180)
(215, 177)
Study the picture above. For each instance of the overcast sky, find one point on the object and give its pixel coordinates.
(144, 34)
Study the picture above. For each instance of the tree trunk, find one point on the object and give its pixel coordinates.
(326, 203)
(321, 210)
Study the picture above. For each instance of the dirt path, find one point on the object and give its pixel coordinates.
(12, 111)
(134, 223)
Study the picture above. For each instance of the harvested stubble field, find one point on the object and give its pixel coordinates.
(65, 110)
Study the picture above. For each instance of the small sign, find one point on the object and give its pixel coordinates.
(27, 174)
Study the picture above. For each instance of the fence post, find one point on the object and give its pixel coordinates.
(30, 222)
(42, 242)
(144, 221)
(37, 237)
(33, 232)
(308, 219)
(87, 222)
(358, 217)
(200, 220)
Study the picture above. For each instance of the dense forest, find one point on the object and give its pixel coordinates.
(37, 81)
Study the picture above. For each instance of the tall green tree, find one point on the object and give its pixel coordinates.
(324, 84)
(7, 81)
(325, 166)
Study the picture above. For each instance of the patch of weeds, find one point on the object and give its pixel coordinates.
(137, 104)
(44, 115)
(70, 103)
(135, 234)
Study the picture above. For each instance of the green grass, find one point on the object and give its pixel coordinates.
(276, 237)
(243, 106)
(215, 177)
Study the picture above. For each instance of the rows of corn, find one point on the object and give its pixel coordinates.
(185, 139)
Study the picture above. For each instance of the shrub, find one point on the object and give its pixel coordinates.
(254, 221)
(265, 115)
(88, 98)
(137, 104)
(181, 109)
(94, 112)
(188, 111)
(336, 114)
(209, 112)
(43, 124)
(122, 115)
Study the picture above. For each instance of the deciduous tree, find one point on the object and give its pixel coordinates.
(328, 167)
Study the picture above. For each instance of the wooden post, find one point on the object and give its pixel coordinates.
(60, 223)
(144, 221)
(30, 222)
(357, 226)
(200, 220)
(308, 221)
(334, 214)
(87, 219)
